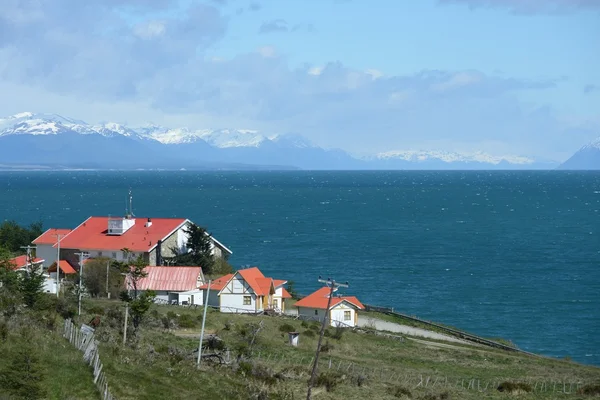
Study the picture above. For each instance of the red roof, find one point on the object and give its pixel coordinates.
(260, 284)
(176, 279)
(285, 294)
(218, 284)
(49, 237)
(92, 234)
(319, 300)
(65, 267)
(21, 262)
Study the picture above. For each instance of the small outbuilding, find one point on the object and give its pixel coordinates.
(171, 282)
(343, 310)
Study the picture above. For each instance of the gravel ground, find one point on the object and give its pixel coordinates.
(380, 325)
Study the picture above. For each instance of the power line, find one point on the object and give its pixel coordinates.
(333, 286)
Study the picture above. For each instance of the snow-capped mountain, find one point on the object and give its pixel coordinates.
(50, 139)
(586, 158)
(420, 156)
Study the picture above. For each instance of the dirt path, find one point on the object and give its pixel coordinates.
(381, 325)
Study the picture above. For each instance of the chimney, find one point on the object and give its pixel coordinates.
(149, 223)
(159, 252)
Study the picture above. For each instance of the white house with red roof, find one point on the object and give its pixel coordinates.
(21, 263)
(177, 285)
(343, 310)
(247, 291)
(151, 238)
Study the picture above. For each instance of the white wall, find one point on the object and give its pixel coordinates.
(232, 297)
(47, 252)
(234, 303)
(195, 297)
(309, 313)
(337, 314)
(182, 237)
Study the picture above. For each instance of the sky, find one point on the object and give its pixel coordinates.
(506, 77)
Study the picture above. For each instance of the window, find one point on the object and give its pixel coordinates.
(316, 312)
(347, 316)
(99, 254)
(275, 303)
(247, 300)
(114, 254)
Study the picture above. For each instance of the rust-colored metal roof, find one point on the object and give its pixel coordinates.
(173, 279)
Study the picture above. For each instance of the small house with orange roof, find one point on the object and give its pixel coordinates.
(249, 291)
(343, 310)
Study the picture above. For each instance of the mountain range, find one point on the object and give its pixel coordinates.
(29, 140)
(587, 158)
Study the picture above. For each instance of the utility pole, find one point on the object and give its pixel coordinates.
(58, 237)
(333, 285)
(82, 258)
(199, 361)
(126, 309)
(107, 290)
(28, 258)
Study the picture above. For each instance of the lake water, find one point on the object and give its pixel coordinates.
(514, 255)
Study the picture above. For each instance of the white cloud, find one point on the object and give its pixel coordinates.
(150, 29)
(315, 71)
(91, 63)
(267, 51)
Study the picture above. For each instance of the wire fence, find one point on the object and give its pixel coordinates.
(83, 339)
(356, 371)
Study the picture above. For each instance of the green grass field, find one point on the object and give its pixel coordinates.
(160, 362)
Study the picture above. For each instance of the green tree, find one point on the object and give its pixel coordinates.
(96, 275)
(291, 288)
(31, 282)
(22, 376)
(199, 251)
(139, 303)
(10, 297)
(13, 236)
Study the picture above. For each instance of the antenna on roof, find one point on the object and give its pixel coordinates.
(130, 212)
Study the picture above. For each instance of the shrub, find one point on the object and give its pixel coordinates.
(326, 348)
(337, 333)
(187, 321)
(309, 333)
(245, 368)
(96, 310)
(316, 327)
(399, 391)
(441, 396)
(329, 380)
(590, 390)
(286, 328)
(514, 387)
(359, 380)
(171, 315)
(304, 324)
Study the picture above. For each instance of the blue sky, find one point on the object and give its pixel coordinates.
(517, 77)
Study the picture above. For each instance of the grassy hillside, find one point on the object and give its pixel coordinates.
(159, 362)
(37, 363)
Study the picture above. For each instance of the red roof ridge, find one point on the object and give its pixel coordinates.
(320, 297)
